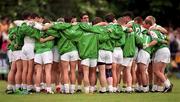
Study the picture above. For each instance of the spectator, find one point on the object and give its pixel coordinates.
(4, 26)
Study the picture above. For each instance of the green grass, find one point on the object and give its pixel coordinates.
(121, 97)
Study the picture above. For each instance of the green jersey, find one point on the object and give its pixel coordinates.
(16, 38)
(64, 45)
(12, 35)
(146, 39)
(129, 47)
(117, 35)
(87, 38)
(45, 46)
(133, 39)
(159, 37)
(27, 30)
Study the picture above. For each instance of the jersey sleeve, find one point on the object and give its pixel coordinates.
(103, 34)
(61, 26)
(52, 32)
(155, 37)
(73, 33)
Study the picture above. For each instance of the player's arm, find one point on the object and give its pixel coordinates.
(161, 29)
(49, 38)
(153, 42)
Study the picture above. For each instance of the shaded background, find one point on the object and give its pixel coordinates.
(167, 12)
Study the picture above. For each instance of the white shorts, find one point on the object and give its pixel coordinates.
(28, 51)
(70, 56)
(10, 55)
(16, 55)
(127, 62)
(143, 57)
(44, 58)
(118, 55)
(89, 62)
(162, 55)
(56, 55)
(105, 57)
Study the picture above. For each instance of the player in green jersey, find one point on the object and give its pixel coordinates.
(162, 56)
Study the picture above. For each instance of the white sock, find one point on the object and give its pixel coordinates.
(154, 88)
(24, 86)
(128, 89)
(167, 83)
(141, 88)
(48, 89)
(38, 89)
(10, 87)
(66, 88)
(110, 88)
(29, 87)
(86, 89)
(114, 89)
(91, 89)
(137, 87)
(43, 85)
(119, 88)
(72, 88)
(145, 89)
(18, 86)
(103, 89)
(79, 87)
(160, 88)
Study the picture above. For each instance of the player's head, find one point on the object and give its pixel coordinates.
(96, 20)
(35, 17)
(46, 21)
(147, 23)
(84, 17)
(138, 20)
(121, 21)
(26, 15)
(61, 20)
(153, 19)
(67, 19)
(74, 19)
(127, 16)
(110, 18)
(5, 20)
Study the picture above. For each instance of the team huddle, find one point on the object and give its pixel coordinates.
(123, 55)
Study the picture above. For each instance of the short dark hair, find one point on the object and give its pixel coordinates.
(34, 15)
(6, 18)
(148, 22)
(128, 13)
(81, 16)
(73, 16)
(68, 19)
(46, 21)
(26, 15)
(138, 19)
(109, 17)
(97, 20)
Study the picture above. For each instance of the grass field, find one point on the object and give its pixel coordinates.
(120, 97)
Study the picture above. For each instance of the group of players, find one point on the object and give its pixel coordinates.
(43, 53)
